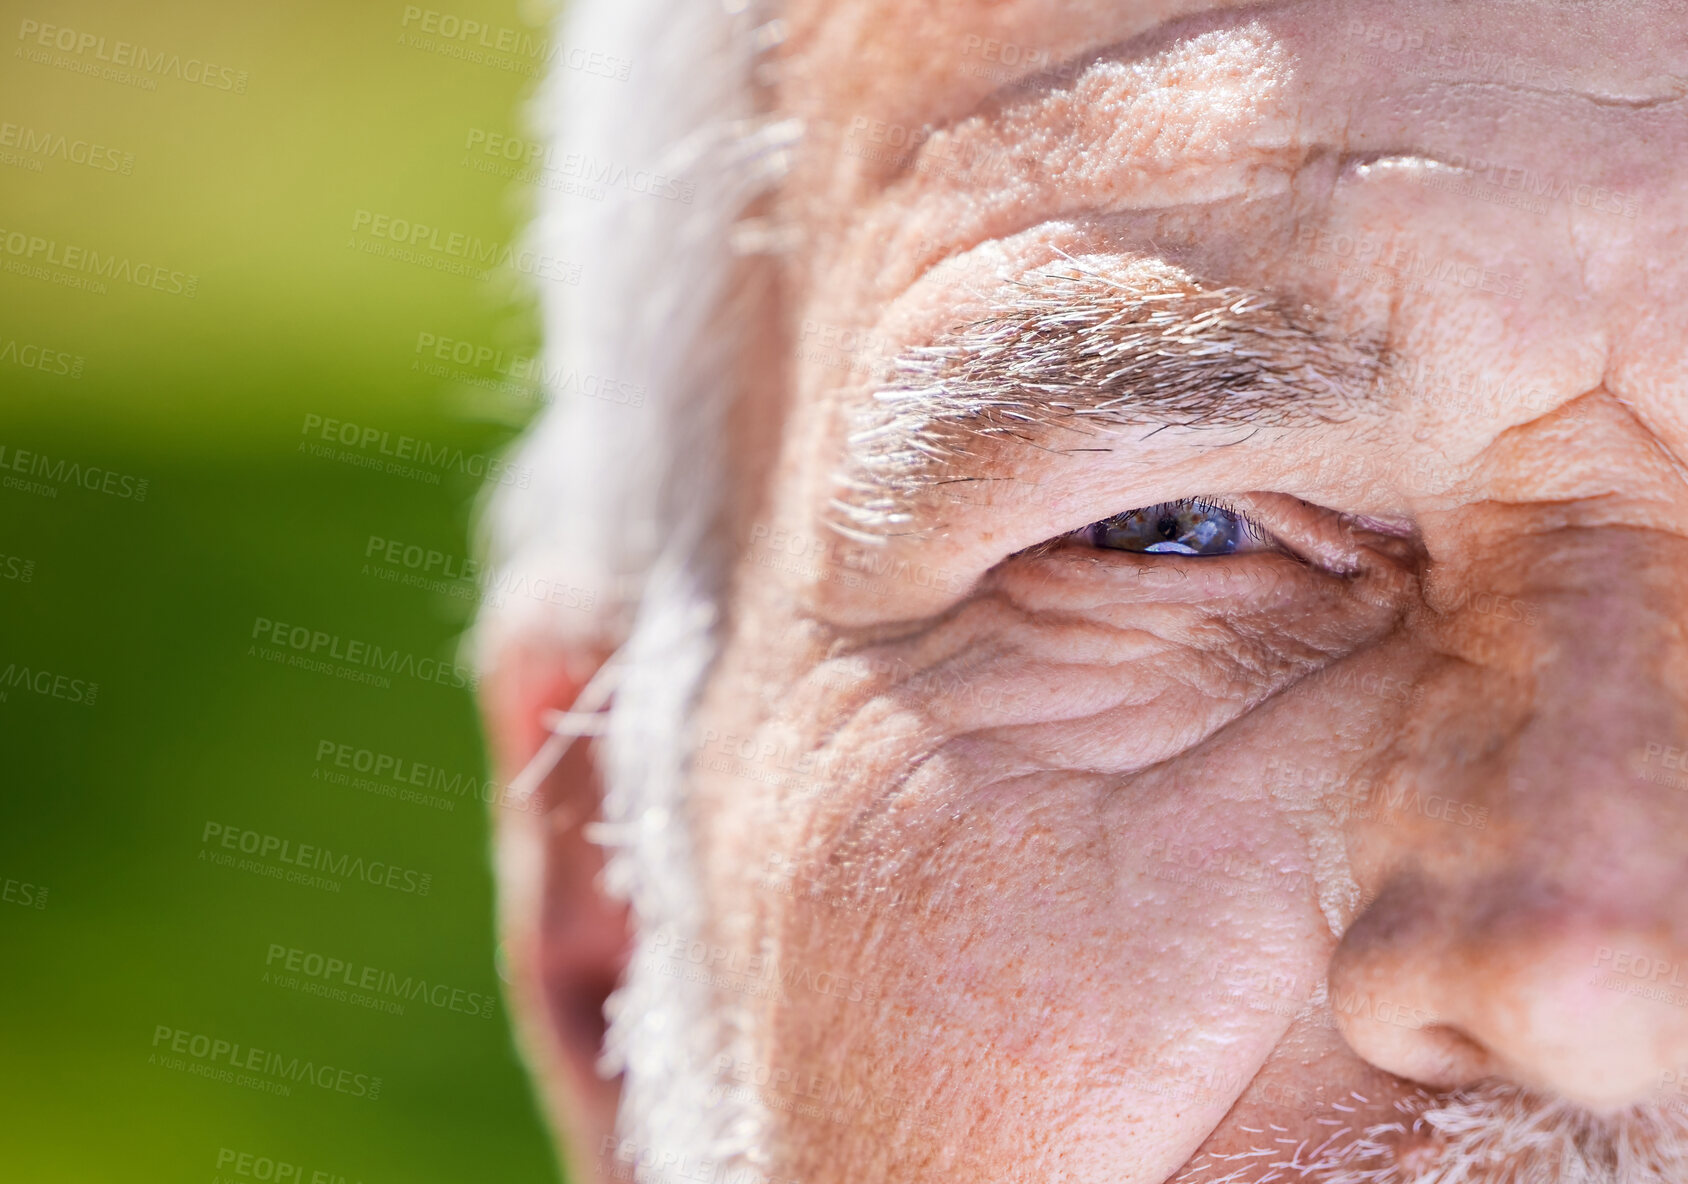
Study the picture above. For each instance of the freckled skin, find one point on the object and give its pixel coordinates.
(1120, 858)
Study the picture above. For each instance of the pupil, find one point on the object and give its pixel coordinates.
(1167, 527)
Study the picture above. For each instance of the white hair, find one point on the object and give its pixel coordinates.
(1486, 1133)
(624, 499)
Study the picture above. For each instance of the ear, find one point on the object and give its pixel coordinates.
(563, 941)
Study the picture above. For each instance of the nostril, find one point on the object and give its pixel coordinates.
(1450, 984)
(1437, 1055)
(1450, 1058)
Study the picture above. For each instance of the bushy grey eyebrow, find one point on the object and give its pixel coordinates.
(1075, 350)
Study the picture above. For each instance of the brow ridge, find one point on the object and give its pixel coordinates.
(1078, 348)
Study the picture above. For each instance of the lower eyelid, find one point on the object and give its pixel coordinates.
(1114, 577)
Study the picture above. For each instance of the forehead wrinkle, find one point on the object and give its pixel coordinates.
(1217, 48)
(1211, 120)
(921, 57)
(1078, 350)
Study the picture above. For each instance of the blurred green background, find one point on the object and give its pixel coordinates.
(112, 925)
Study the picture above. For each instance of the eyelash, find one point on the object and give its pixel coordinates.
(1255, 528)
(1251, 529)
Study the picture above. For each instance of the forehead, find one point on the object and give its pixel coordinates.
(920, 63)
(1490, 181)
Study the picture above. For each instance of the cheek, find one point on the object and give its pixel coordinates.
(1033, 853)
(1052, 953)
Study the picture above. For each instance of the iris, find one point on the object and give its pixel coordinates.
(1191, 526)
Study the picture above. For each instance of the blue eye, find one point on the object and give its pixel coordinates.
(1192, 526)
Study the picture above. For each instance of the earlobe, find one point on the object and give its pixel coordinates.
(565, 942)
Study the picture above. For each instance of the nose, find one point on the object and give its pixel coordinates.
(1538, 933)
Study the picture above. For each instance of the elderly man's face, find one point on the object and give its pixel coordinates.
(1228, 840)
